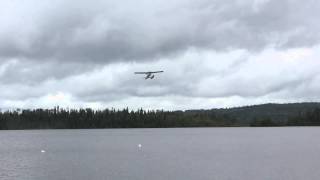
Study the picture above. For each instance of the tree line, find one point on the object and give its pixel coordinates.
(59, 118)
(309, 118)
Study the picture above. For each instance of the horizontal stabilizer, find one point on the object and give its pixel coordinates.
(148, 72)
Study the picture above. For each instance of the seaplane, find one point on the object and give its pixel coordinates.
(149, 74)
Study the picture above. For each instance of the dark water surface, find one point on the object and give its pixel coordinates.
(175, 154)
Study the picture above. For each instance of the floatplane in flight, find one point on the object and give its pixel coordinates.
(149, 74)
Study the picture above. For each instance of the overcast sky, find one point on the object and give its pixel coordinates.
(215, 53)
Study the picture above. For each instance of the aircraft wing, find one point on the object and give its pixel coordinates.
(148, 72)
(156, 72)
(141, 72)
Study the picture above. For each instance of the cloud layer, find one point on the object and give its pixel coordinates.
(215, 53)
(108, 31)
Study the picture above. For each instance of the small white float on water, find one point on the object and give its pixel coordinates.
(43, 151)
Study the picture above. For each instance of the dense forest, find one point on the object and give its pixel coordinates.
(302, 114)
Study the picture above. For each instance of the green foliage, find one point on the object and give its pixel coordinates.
(264, 123)
(301, 114)
(278, 113)
(58, 118)
(310, 118)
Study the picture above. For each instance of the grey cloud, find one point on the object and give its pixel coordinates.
(184, 78)
(209, 49)
(34, 73)
(105, 32)
(195, 79)
(193, 75)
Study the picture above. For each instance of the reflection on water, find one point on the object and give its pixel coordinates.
(188, 153)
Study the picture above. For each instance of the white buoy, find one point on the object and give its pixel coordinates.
(43, 151)
(139, 146)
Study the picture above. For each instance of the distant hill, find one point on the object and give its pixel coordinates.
(276, 112)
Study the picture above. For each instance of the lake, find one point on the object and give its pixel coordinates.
(175, 154)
